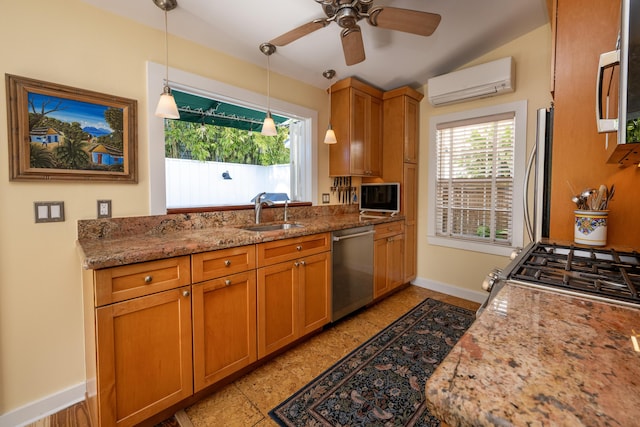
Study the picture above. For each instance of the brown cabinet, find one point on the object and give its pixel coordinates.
(139, 358)
(356, 116)
(224, 313)
(583, 31)
(400, 151)
(293, 280)
(388, 256)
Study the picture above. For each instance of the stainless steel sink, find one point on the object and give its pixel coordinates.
(272, 227)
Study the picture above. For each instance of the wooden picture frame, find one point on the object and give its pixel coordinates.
(62, 133)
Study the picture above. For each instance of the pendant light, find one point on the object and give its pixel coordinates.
(330, 136)
(167, 107)
(268, 127)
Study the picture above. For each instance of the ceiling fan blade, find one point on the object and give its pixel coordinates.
(405, 20)
(352, 45)
(300, 31)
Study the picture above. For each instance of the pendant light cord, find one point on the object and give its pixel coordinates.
(166, 49)
(269, 82)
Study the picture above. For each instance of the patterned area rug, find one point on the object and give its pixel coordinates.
(381, 383)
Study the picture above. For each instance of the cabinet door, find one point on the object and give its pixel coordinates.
(278, 306)
(224, 327)
(360, 103)
(144, 356)
(411, 130)
(373, 146)
(380, 283)
(315, 294)
(395, 261)
(409, 209)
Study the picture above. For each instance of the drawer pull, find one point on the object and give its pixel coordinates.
(227, 282)
(227, 263)
(186, 293)
(299, 248)
(148, 279)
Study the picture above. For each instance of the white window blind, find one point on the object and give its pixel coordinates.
(474, 189)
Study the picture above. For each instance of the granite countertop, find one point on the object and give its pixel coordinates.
(539, 358)
(112, 242)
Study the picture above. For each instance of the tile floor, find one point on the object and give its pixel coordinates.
(248, 400)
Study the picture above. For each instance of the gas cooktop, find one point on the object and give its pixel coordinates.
(605, 274)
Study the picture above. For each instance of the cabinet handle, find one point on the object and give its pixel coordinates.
(148, 279)
(298, 248)
(186, 293)
(303, 262)
(296, 263)
(227, 263)
(227, 282)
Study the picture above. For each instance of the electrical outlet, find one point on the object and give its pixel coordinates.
(104, 208)
(325, 197)
(49, 211)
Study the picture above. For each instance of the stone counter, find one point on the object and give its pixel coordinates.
(120, 241)
(538, 358)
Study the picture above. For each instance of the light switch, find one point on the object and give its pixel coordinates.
(49, 211)
(104, 208)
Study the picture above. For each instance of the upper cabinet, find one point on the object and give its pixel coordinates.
(356, 116)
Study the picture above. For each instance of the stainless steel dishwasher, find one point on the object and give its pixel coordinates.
(352, 270)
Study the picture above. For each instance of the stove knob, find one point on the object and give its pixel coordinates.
(491, 279)
(515, 253)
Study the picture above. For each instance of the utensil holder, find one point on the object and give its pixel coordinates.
(590, 227)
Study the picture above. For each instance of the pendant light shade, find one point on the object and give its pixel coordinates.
(268, 127)
(167, 107)
(330, 136)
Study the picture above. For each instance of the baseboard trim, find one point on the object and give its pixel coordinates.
(456, 291)
(39, 409)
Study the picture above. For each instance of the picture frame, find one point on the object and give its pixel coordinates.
(62, 133)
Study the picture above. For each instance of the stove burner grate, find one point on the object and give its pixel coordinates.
(599, 272)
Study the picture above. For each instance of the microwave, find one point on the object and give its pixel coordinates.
(380, 197)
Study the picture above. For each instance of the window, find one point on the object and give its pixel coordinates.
(475, 180)
(297, 178)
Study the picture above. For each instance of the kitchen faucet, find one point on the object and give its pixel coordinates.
(258, 205)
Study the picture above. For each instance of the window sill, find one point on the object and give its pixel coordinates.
(468, 245)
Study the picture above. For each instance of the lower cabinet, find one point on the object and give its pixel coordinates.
(388, 256)
(224, 327)
(144, 362)
(294, 295)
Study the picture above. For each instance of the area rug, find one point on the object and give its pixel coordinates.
(381, 383)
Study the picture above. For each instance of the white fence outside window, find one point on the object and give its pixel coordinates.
(192, 183)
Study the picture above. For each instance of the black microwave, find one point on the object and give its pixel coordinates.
(380, 197)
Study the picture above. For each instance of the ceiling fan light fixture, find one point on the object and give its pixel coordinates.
(167, 107)
(269, 126)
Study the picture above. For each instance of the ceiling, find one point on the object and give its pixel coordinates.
(468, 29)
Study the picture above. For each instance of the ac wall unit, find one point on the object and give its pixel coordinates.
(481, 81)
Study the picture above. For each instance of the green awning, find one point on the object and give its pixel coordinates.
(197, 109)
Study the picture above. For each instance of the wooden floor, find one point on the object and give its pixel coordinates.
(247, 401)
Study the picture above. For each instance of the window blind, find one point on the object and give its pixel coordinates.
(474, 179)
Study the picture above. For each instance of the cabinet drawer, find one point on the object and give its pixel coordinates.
(388, 229)
(288, 249)
(135, 280)
(210, 265)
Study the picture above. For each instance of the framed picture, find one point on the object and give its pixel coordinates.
(62, 133)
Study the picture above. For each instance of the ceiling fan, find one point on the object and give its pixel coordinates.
(347, 13)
